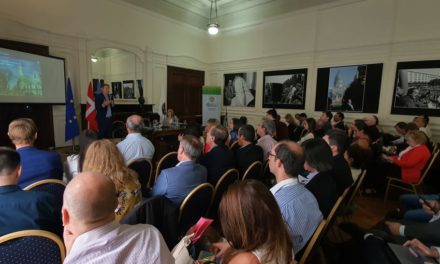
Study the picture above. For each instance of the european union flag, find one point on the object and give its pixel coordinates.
(72, 129)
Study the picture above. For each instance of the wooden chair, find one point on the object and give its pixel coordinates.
(254, 171)
(411, 187)
(144, 169)
(354, 191)
(167, 161)
(195, 205)
(313, 242)
(228, 178)
(32, 247)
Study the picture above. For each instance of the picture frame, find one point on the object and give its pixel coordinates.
(285, 89)
(349, 88)
(417, 88)
(239, 89)
(128, 89)
(117, 90)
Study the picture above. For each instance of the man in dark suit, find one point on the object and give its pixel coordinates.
(177, 182)
(248, 152)
(36, 164)
(22, 210)
(104, 104)
(219, 158)
(282, 132)
(338, 142)
(338, 119)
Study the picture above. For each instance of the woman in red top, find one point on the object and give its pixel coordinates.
(413, 159)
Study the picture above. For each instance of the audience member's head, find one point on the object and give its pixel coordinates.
(134, 124)
(9, 166)
(243, 120)
(22, 132)
(326, 116)
(358, 154)
(421, 120)
(412, 127)
(190, 148)
(266, 127)
(102, 156)
(251, 219)
(286, 160)
(337, 140)
(210, 123)
(370, 120)
(246, 134)
(272, 114)
(414, 138)
(89, 202)
(359, 127)
(338, 117)
(401, 128)
(234, 124)
(86, 138)
(289, 119)
(317, 155)
(310, 125)
(218, 135)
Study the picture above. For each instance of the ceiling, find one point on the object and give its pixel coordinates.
(231, 13)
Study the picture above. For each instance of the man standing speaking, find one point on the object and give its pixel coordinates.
(104, 104)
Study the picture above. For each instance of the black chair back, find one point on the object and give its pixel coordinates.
(195, 205)
(254, 171)
(31, 247)
(228, 178)
(167, 161)
(144, 169)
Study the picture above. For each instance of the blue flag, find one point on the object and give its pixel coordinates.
(72, 129)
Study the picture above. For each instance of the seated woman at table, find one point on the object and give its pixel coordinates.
(170, 118)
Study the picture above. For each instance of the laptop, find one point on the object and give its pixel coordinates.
(405, 256)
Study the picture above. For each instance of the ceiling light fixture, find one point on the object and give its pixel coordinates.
(213, 24)
(94, 59)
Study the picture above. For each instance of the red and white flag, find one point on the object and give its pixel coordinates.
(90, 110)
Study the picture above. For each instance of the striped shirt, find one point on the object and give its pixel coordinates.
(300, 210)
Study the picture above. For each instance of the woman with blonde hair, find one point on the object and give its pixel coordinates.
(170, 119)
(252, 224)
(103, 156)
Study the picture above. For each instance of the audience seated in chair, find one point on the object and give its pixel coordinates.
(281, 131)
(299, 207)
(219, 159)
(36, 164)
(23, 210)
(91, 234)
(102, 156)
(318, 162)
(266, 130)
(253, 226)
(175, 183)
(248, 152)
(338, 142)
(135, 145)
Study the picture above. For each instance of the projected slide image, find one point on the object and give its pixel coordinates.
(19, 77)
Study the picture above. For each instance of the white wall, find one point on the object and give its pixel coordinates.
(368, 31)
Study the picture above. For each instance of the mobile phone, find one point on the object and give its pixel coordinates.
(427, 204)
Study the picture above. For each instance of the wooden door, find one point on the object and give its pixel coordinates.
(184, 92)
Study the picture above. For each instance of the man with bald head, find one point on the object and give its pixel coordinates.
(298, 205)
(91, 234)
(135, 145)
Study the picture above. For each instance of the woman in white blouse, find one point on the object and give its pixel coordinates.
(309, 128)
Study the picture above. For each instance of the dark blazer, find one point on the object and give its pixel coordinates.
(281, 131)
(217, 161)
(325, 191)
(341, 173)
(101, 112)
(247, 155)
(340, 126)
(22, 210)
(428, 233)
(39, 165)
(295, 132)
(177, 182)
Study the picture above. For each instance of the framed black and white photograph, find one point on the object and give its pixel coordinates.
(351, 88)
(285, 89)
(117, 90)
(239, 89)
(128, 89)
(417, 88)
